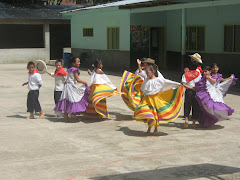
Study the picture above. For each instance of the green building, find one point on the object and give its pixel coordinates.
(165, 30)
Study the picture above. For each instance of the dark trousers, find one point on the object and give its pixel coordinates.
(33, 104)
(57, 96)
(190, 102)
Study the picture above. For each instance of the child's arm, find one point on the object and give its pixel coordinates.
(227, 78)
(24, 83)
(139, 65)
(213, 81)
(75, 73)
(89, 72)
(51, 74)
(39, 80)
(188, 87)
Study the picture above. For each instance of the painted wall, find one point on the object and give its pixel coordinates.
(22, 55)
(213, 18)
(99, 22)
(149, 19)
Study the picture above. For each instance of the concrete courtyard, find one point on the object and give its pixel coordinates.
(117, 148)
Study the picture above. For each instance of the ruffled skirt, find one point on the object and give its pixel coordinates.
(73, 99)
(160, 108)
(210, 99)
(130, 87)
(97, 106)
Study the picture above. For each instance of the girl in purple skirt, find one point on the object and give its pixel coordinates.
(74, 96)
(210, 91)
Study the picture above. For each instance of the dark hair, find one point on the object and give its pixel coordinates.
(153, 68)
(214, 64)
(97, 62)
(193, 65)
(143, 59)
(30, 63)
(58, 60)
(207, 68)
(71, 61)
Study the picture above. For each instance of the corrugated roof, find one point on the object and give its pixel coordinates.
(32, 11)
(118, 3)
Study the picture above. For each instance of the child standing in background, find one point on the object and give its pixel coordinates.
(60, 77)
(34, 83)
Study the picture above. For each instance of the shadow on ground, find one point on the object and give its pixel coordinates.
(209, 171)
(121, 117)
(198, 126)
(130, 132)
(46, 116)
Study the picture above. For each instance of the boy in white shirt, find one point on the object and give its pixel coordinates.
(60, 77)
(34, 83)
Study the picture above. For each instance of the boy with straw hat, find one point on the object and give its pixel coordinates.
(197, 58)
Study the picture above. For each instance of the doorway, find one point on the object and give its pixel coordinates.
(157, 46)
(60, 37)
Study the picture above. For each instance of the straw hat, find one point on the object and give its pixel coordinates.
(40, 66)
(149, 61)
(196, 57)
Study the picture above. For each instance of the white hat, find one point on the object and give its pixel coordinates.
(196, 57)
(41, 66)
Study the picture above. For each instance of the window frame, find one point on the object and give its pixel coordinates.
(87, 35)
(187, 42)
(229, 52)
(117, 45)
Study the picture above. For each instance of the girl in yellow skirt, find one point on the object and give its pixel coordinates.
(131, 83)
(101, 88)
(162, 102)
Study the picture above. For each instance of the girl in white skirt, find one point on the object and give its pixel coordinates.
(74, 97)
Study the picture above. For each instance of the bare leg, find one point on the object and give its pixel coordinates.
(186, 122)
(66, 116)
(149, 130)
(41, 115)
(193, 124)
(72, 119)
(155, 130)
(31, 116)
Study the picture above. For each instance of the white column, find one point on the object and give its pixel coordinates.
(183, 51)
(46, 31)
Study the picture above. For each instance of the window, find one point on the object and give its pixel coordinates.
(88, 32)
(232, 38)
(195, 38)
(113, 38)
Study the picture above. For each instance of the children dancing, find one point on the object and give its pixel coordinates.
(153, 98)
(60, 77)
(101, 88)
(34, 83)
(74, 97)
(162, 101)
(209, 93)
(189, 79)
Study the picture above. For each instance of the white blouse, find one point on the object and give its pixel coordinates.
(143, 74)
(100, 79)
(157, 85)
